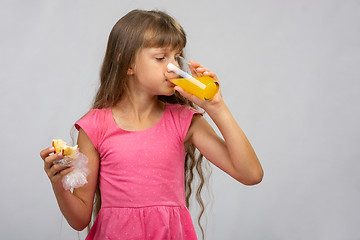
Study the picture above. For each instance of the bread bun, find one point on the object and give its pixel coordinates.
(67, 150)
(62, 147)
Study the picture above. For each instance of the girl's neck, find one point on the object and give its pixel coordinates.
(138, 108)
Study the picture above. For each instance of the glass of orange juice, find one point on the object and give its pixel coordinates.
(204, 87)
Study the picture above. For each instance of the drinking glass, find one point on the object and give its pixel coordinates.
(204, 87)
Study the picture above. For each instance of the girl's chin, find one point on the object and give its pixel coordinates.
(170, 92)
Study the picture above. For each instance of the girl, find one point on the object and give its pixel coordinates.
(138, 134)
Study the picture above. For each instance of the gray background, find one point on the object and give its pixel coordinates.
(289, 72)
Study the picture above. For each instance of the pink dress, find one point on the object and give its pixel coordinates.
(141, 176)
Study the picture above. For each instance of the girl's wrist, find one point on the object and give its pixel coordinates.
(216, 110)
(58, 187)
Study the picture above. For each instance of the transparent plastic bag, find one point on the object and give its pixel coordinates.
(77, 177)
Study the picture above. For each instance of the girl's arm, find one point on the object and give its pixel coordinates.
(77, 206)
(235, 155)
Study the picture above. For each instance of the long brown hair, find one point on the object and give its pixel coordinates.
(140, 29)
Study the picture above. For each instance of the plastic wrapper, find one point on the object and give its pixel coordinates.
(77, 177)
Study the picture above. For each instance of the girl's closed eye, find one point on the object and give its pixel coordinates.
(163, 58)
(160, 58)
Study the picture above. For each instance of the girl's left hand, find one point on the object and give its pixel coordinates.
(206, 105)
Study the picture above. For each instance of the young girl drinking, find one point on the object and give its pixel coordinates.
(139, 133)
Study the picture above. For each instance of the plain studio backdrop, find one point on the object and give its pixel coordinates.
(289, 71)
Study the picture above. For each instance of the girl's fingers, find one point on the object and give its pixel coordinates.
(55, 172)
(48, 162)
(212, 75)
(195, 64)
(205, 72)
(202, 70)
(58, 169)
(193, 71)
(59, 175)
(193, 67)
(46, 152)
(54, 169)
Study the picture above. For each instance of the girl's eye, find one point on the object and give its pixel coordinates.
(160, 58)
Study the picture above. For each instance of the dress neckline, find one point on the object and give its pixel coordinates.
(112, 119)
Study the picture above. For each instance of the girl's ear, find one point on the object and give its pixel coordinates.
(130, 71)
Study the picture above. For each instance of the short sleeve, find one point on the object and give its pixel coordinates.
(183, 120)
(90, 124)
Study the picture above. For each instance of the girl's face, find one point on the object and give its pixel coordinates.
(149, 72)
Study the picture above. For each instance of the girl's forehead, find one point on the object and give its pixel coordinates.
(160, 38)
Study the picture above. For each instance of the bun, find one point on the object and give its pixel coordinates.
(62, 147)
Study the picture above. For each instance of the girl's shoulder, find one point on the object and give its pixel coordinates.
(96, 112)
(93, 116)
(93, 123)
(181, 116)
(181, 109)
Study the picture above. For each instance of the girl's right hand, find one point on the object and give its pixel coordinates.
(55, 172)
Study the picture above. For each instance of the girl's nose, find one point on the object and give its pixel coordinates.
(175, 61)
(174, 65)
(171, 70)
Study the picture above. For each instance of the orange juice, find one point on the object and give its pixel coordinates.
(203, 87)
